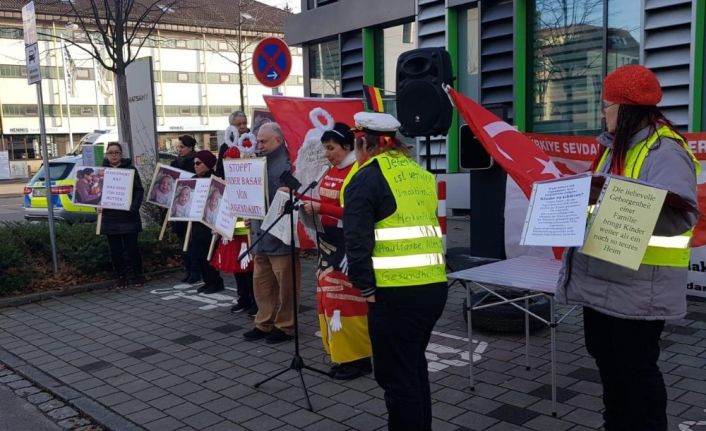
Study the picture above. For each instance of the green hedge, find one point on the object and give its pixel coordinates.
(25, 254)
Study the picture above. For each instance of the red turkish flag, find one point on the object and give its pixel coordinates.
(516, 154)
(292, 114)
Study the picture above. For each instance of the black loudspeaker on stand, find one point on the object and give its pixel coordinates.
(297, 364)
(423, 108)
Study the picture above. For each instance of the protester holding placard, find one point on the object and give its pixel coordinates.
(185, 161)
(343, 312)
(226, 259)
(625, 310)
(201, 234)
(122, 227)
(237, 126)
(396, 258)
(273, 265)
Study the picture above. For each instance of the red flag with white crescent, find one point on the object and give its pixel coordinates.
(515, 153)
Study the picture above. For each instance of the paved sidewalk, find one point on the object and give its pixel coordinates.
(161, 358)
(12, 187)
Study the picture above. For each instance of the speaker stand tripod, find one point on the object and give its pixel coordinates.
(297, 363)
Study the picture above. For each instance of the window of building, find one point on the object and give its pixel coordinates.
(182, 77)
(390, 43)
(325, 68)
(469, 53)
(222, 46)
(571, 60)
(224, 78)
(181, 43)
(82, 73)
(185, 110)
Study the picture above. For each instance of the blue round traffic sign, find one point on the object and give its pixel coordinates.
(272, 61)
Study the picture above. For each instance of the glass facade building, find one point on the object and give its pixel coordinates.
(538, 63)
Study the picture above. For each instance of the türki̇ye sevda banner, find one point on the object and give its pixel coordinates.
(574, 154)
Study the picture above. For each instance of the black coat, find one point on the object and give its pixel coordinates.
(219, 170)
(118, 222)
(200, 232)
(184, 163)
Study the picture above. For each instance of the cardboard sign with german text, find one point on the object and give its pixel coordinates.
(623, 222)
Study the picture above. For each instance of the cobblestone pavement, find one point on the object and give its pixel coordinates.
(26, 406)
(161, 358)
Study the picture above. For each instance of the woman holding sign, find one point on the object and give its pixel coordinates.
(201, 235)
(122, 227)
(625, 310)
(343, 312)
(226, 258)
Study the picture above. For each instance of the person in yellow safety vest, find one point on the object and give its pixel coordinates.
(624, 311)
(395, 257)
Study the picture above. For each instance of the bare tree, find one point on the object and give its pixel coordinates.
(250, 14)
(121, 28)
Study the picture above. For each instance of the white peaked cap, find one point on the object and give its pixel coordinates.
(379, 122)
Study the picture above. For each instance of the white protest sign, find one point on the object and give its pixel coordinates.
(189, 199)
(109, 188)
(282, 229)
(163, 184)
(557, 212)
(4, 165)
(117, 188)
(218, 214)
(246, 181)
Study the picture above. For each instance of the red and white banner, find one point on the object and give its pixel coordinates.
(294, 115)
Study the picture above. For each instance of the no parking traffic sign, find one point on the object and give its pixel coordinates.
(272, 61)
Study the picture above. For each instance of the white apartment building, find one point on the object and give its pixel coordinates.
(195, 79)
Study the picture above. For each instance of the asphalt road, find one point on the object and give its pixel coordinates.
(11, 209)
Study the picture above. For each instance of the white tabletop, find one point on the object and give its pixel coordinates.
(524, 272)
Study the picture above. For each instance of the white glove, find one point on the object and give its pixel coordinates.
(245, 261)
(336, 324)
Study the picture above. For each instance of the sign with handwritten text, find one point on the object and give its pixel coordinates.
(246, 187)
(623, 222)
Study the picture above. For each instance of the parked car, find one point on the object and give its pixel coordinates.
(62, 174)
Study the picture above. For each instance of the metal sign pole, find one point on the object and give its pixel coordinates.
(34, 76)
(47, 174)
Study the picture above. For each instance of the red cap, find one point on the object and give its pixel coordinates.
(632, 84)
(207, 158)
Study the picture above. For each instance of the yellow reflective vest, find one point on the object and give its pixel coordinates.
(240, 228)
(408, 247)
(661, 250)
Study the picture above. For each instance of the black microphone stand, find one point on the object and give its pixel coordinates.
(297, 364)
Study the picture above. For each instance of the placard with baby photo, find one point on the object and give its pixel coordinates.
(163, 184)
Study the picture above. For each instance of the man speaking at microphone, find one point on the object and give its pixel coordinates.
(272, 279)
